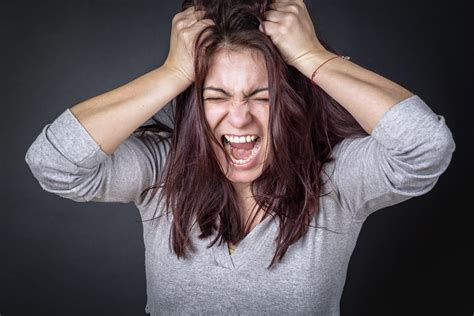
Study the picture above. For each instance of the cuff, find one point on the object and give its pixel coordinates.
(406, 123)
(68, 135)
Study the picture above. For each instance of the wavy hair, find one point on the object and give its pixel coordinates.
(304, 125)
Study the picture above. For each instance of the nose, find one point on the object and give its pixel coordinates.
(239, 114)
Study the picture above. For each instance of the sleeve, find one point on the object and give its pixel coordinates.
(68, 162)
(408, 150)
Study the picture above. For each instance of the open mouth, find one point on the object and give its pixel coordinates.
(242, 150)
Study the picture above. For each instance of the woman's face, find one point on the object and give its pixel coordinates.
(236, 105)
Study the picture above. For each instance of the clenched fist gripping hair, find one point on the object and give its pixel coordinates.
(305, 123)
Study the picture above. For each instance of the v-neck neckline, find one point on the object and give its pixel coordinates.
(248, 248)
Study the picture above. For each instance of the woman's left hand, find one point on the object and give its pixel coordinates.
(290, 28)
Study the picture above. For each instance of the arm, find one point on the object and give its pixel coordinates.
(409, 146)
(67, 161)
(88, 152)
(363, 93)
(111, 117)
(408, 150)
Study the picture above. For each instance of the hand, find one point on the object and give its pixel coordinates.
(186, 25)
(289, 26)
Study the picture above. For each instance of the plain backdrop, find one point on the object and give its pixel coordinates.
(60, 257)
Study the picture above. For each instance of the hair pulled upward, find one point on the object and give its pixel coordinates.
(305, 123)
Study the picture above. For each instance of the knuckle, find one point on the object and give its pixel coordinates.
(282, 29)
(176, 17)
(208, 21)
(186, 34)
(293, 8)
(291, 18)
(180, 24)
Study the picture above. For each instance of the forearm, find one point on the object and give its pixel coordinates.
(365, 94)
(111, 117)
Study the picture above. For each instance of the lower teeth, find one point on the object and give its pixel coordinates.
(243, 161)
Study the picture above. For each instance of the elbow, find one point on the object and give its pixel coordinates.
(30, 157)
(445, 145)
(34, 160)
(51, 177)
(416, 172)
(442, 147)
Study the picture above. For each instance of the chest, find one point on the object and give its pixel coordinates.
(310, 274)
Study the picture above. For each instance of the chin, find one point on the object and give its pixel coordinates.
(242, 177)
(238, 175)
(243, 173)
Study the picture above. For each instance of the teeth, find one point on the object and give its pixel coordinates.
(240, 139)
(244, 161)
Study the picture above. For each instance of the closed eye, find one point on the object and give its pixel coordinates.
(222, 99)
(213, 99)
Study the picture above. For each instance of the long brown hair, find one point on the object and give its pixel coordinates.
(305, 123)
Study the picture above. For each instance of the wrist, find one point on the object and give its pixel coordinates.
(177, 75)
(313, 60)
(162, 83)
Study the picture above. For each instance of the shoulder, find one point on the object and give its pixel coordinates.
(154, 142)
(339, 152)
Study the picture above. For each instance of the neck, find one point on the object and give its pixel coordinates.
(246, 200)
(244, 194)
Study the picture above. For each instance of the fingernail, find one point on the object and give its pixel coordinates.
(260, 27)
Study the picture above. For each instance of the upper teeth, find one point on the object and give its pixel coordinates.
(240, 139)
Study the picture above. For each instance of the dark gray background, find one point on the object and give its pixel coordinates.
(60, 257)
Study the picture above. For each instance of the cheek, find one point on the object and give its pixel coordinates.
(262, 114)
(214, 114)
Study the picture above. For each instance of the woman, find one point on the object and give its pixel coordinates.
(280, 150)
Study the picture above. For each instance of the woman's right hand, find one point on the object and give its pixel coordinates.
(186, 26)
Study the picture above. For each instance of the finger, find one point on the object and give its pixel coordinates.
(184, 23)
(188, 11)
(295, 8)
(203, 23)
(195, 13)
(287, 1)
(275, 16)
(190, 14)
(199, 26)
(191, 18)
(200, 14)
(269, 28)
(181, 19)
(277, 5)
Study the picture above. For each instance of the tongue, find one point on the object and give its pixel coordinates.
(243, 145)
(242, 150)
(241, 153)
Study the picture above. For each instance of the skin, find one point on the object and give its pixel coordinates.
(233, 111)
(363, 93)
(132, 104)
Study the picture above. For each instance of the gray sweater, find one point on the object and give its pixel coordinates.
(406, 153)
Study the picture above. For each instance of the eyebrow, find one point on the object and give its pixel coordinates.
(228, 94)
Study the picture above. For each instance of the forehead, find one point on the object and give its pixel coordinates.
(237, 71)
